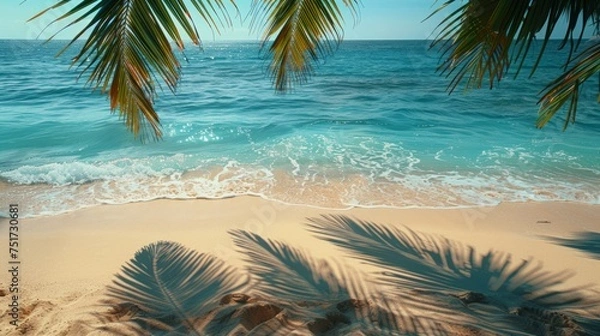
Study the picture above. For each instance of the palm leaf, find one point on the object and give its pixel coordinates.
(473, 48)
(482, 39)
(173, 286)
(129, 48)
(565, 89)
(303, 32)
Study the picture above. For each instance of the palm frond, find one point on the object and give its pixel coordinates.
(173, 286)
(473, 48)
(482, 39)
(489, 25)
(303, 32)
(565, 89)
(129, 48)
(433, 265)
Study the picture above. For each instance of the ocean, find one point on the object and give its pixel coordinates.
(374, 127)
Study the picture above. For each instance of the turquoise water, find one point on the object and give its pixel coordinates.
(374, 127)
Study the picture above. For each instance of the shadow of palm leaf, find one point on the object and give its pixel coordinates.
(290, 273)
(588, 242)
(323, 294)
(168, 288)
(591, 322)
(442, 288)
(435, 274)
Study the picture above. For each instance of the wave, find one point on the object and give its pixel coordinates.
(56, 188)
(371, 131)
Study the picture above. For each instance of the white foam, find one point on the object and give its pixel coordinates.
(66, 173)
(377, 175)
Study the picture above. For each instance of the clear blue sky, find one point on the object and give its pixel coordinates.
(379, 19)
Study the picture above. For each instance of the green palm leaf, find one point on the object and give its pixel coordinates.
(173, 286)
(129, 48)
(566, 88)
(473, 48)
(482, 39)
(303, 32)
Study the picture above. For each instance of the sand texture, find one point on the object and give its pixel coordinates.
(248, 266)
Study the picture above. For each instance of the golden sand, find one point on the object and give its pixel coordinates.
(68, 260)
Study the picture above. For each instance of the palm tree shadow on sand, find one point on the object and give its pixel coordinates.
(587, 241)
(487, 292)
(165, 288)
(428, 286)
(285, 290)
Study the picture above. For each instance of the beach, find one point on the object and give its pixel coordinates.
(366, 202)
(68, 260)
(153, 183)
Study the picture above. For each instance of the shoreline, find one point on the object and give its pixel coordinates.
(384, 179)
(354, 191)
(68, 259)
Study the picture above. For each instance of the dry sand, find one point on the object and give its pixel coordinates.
(68, 260)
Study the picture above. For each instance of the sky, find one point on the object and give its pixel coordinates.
(379, 19)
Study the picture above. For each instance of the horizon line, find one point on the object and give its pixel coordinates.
(242, 40)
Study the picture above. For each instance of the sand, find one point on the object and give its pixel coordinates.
(67, 262)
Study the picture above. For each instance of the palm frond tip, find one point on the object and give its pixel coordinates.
(129, 49)
(481, 40)
(303, 32)
(566, 88)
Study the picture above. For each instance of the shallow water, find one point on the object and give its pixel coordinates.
(373, 127)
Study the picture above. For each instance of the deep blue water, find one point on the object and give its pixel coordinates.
(373, 127)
